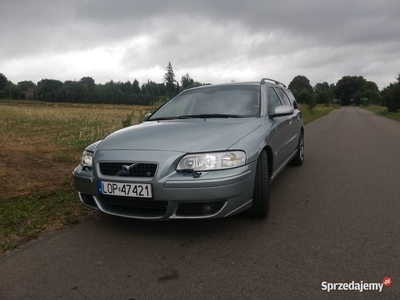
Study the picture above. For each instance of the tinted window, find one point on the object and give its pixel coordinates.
(283, 96)
(273, 100)
(291, 98)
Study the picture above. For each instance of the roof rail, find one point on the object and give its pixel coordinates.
(273, 80)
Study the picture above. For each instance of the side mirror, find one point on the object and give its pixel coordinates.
(281, 111)
(146, 116)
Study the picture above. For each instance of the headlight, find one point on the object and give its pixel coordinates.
(87, 159)
(212, 161)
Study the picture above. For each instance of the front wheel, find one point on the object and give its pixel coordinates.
(260, 208)
(299, 157)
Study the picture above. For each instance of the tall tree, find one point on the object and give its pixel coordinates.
(27, 89)
(321, 87)
(136, 87)
(324, 93)
(367, 94)
(150, 88)
(88, 83)
(187, 81)
(74, 91)
(25, 85)
(3, 81)
(50, 90)
(348, 87)
(391, 96)
(169, 79)
(88, 80)
(299, 83)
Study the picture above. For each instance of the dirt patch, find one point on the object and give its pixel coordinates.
(25, 172)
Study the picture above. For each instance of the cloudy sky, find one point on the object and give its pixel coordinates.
(214, 41)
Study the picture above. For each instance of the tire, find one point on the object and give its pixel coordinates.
(260, 208)
(299, 157)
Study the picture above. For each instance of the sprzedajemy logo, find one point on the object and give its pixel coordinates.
(356, 286)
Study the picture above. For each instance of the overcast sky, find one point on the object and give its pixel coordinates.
(214, 41)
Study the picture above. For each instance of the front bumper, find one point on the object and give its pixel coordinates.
(215, 194)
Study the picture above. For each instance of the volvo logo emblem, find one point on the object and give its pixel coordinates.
(125, 169)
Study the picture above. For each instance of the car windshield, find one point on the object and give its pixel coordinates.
(234, 101)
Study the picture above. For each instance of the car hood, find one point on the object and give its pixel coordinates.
(193, 135)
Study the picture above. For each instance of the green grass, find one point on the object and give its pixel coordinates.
(21, 102)
(381, 110)
(68, 126)
(47, 139)
(319, 111)
(23, 218)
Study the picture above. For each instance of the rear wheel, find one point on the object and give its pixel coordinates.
(299, 157)
(260, 208)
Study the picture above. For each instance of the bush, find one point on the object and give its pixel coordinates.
(307, 97)
(391, 96)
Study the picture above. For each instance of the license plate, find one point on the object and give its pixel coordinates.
(125, 189)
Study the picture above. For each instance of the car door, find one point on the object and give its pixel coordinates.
(293, 126)
(279, 134)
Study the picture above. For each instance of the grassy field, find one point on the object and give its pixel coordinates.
(381, 110)
(40, 144)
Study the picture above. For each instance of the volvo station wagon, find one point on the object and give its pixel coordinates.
(210, 152)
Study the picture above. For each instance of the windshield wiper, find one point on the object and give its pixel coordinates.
(200, 116)
(167, 118)
(204, 116)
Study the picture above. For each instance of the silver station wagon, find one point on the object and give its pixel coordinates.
(210, 152)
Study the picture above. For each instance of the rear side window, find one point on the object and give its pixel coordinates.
(291, 98)
(273, 100)
(283, 96)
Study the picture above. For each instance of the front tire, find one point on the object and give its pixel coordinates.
(260, 208)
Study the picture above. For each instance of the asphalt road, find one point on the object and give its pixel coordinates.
(335, 219)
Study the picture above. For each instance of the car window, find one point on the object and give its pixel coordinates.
(283, 96)
(273, 100)
(235, 100)
(291, 98)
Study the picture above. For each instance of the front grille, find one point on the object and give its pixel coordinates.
(139, 170)
(190, 209)
(135, 206)
(136, 202)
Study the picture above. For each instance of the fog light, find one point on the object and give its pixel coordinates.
(206, 208)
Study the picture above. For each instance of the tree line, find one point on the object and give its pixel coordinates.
(87, 91)
(348, 90)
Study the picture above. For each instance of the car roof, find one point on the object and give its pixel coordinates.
(267, 83)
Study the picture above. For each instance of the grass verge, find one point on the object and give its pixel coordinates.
(319, 111)
(23, 218)
(381, 110)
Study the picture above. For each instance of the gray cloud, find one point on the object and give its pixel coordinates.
(214, 41)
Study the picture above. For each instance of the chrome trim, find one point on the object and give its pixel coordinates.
(228, 214)
(175, 216)
(125, 168)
